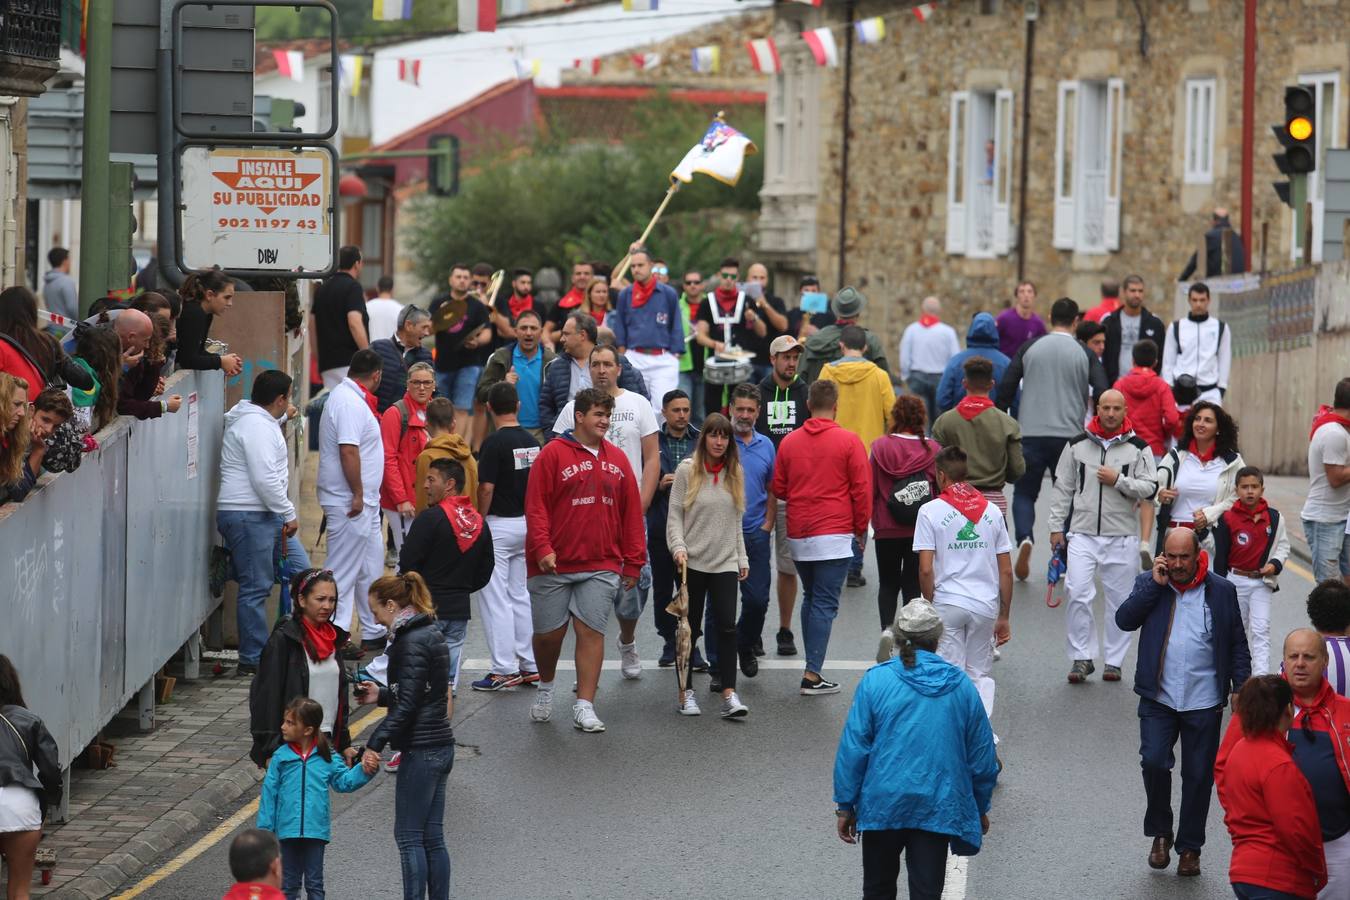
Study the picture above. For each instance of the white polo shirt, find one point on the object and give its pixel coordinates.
(348, 419)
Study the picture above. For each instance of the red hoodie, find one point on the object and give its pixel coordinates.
(894, 455)
(250, 890)
(823, 475)
(400, 453)
(584, 508)
(1269, 810)
(1151, 408)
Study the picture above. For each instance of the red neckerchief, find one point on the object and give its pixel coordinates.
(968, 501)
(643, 292)
(970, 407)
(1254, 514)
(417, 412)
(599, 316)
(320, 640)
(466, 521)
(571, 299)
(1326, 415)
(928, 321)
(1096, 427)
(726, 299)
(715, 470)
(519, 304)
(303, 754)
(1205, 457)
(369, 397)
(693, 309)
(1201, 570)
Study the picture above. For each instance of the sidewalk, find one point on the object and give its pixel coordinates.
(1287, 493)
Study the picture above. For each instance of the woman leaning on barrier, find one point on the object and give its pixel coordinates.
(25, 748)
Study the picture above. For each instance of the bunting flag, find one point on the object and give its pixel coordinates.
(810, 2)
(640, 5)
(477, 15)
(870, 31)
(764, 56)
(821, 42)
(924, 11)
(290, 64)
(353, 66)
(410, 70)
(721, 155)
(527, 69)
(391, 10)
(707, 59)
(646, 61)
(593, 64)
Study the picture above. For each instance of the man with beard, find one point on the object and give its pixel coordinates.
(582, 273)
(782, 410)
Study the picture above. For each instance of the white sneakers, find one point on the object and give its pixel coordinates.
(630, 664)
(584, 717)
(542, 708)
(688, 705)
(733, 708)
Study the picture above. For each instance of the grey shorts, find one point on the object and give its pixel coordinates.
(629, 604)
(780, 542)
(587, 595)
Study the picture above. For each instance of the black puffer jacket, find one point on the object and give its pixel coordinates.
(31, 746)
(283, 675)
(419, 676)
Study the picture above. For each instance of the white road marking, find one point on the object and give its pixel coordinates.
(955, 886)
(847, 665)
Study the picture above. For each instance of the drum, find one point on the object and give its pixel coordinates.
(728, 368)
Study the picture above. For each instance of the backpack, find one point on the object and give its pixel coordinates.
(403, 414)
(906, 494)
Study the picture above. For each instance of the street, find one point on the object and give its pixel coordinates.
(666, 806)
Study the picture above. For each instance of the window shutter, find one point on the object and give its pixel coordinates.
(1115, 122)
(1003, 154)
(1065, 165)
(957, 174)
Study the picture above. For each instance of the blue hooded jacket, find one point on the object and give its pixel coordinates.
(917, 752)
(294, 802)
(981, 340)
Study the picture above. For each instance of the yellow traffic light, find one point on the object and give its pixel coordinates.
(1300, 128)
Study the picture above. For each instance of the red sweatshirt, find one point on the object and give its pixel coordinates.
(584, 508)
(1269, 810)
(250, 890)
(400, 453)
(1149, 403)
(823, 475)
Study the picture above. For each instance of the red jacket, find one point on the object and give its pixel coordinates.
(823, 475)
(14, 362)
(250, 890)
(584, 508)
(400, 452)
(1102, 310)
(1150, 406)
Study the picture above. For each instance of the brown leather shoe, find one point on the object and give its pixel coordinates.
(1160, 857)
(1188, 863)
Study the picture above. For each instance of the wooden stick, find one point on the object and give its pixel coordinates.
(622, 268)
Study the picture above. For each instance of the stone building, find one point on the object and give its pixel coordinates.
(1062, 142)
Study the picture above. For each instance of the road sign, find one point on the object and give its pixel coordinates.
(258, 210)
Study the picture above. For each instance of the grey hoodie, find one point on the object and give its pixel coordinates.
(1102, 509)
(59, 294)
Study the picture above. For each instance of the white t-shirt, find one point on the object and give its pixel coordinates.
(1197, 484)
(631, 421)
(965, 554)
(383, 315)
(1129, 336)
(347, 419)
(325, 688)
(1330, 445)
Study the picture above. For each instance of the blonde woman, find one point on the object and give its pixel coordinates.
(707, 501)
(14, 413)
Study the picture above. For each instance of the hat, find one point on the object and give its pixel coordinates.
(848, 303)
(917, 617)
(783, 344)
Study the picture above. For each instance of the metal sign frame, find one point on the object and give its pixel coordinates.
(251, 138)
(330, 212)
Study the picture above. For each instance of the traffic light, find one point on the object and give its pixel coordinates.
(1297, 135)
(443, 165)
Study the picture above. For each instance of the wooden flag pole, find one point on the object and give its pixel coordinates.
(622, 268)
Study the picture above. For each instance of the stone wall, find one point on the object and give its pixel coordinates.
(901, 94)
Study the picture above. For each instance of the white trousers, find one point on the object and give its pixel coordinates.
(356, 556)
(968, 643)
(504, 603)
(1115, 560)
(333, 377)
(661, 373)
(1254, 597)
(1337, 853)
(398, 527)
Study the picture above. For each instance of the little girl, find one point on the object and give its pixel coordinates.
(294, 804)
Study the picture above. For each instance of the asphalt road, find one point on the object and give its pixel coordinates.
(666, 806)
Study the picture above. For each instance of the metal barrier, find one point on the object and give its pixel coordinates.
(110, 564)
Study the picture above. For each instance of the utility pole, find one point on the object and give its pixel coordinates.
(94, 176)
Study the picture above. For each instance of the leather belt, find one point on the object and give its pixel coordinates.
(1246, 573)
(650, 351)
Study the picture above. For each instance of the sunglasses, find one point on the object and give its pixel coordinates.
(691, 282)
(661, 270)
(729, 276)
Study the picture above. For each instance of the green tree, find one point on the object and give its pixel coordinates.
(282, 23)
(559, 199)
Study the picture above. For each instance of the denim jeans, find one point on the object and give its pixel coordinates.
(664, 580)
(454, 631)
(253, 538)
(925, 855)
(1330, 547)
(1199, 730)
(302, 859)
(855, 565)
(459, 385)
(755, 589)
(1042, 455)
(925, 386)
(419, 822)
(822, 580)
(1256, 892)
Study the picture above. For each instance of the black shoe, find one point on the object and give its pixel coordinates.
(759, 647)
(667, 656)
(351, 651)
(855, 579)
(811, 688)
(715, 685)
(785, 645)
(749, 664)
(696, 660)
(245, 670)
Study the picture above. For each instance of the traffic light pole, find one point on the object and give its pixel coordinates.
(94, 168)
(1298, 195)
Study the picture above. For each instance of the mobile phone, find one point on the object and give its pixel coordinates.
(815, 302)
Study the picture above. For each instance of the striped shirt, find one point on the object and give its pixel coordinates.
(1338, 663)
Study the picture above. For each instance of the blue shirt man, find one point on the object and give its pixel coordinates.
(530, 375)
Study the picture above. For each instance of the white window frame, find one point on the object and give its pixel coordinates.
(1072, 229)
(1198, 144)
(966, 174)
(1328, 136)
